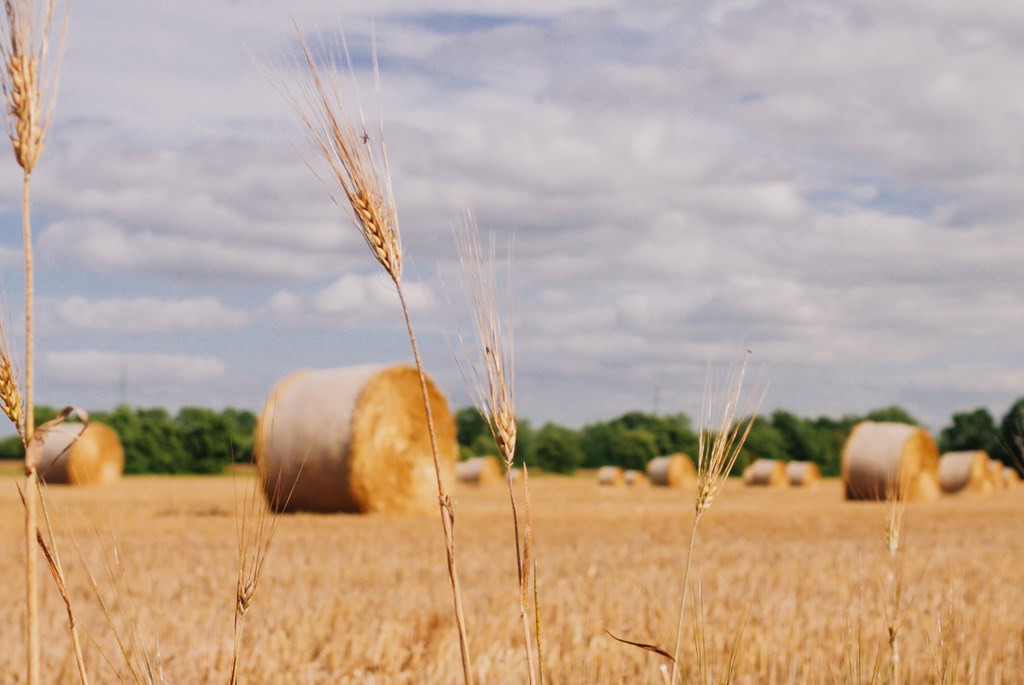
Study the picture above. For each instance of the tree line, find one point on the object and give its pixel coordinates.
(195, 440)
(199, 440)
(633, 439)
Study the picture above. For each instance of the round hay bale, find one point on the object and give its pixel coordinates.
(633, 477)
(766, 473)
(968, 472)
(880, 458)
(611, 476)
(994, 471)
(672, 471)
(803, 473)
(479, 470)
(353, 440)
(70, 455)
(1011, 477)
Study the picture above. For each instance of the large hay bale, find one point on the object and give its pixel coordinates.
(479, 470)
(611, 476)
(882, 458)
(803, 473)
(354, 440)
(1011, 477)
(70, 455)
(996, 474)
(968, 472)
(672, 471)
(633, 477)
(766, 473)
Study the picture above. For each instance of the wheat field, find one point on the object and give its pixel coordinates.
(364, 599)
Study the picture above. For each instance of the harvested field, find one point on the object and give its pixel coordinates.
(364, 599)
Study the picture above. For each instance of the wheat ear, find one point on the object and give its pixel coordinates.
(487, 369)
(359, 181)
(29, 84)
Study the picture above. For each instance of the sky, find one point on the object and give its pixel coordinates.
(833, 185)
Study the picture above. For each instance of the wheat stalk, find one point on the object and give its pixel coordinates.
(487, 369)
(360, 183)
(717, 452)
(28, 81)
(256, 530)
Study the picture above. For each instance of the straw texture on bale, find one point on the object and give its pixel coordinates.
(880, 458)
(353, 440)
(479, 471)
(70, 455)
(968, 472)
(994, 471)
(766, 473)
(633, 477)
(803, 473)
(1011, 478)
(672, 471)
(612, 476)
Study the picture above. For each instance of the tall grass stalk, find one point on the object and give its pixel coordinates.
(359, 181)
(719, 446)
(893, 535)
(488, 369)
(29, 84)
(255, 529)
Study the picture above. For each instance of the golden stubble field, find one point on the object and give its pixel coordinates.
(350, 599)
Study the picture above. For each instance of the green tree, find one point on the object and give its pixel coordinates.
(973, 430)
(526, 443)
(892, 413)
(206, 438)
(632, 448)
(595, 441)
(764, 442)
(469, 424)
(799, 439)
(242, 423)
(484, 444)
(558, 449)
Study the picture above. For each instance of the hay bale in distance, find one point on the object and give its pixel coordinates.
(1011, 477)
(968, 472)
(354, 440)
(766, 473)
(479, 470)
(880, 458)
(672, 471)
(633, 477)
(70, 455)
(803, 473)
(994, 471)
(611, 476)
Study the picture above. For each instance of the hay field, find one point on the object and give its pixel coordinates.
(357, 599)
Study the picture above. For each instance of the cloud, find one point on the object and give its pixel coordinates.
(352, 301)
(144, 315)
(98, 367)
(110, 249)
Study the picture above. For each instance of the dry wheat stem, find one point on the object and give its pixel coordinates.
(444, 500)
(29, 100)
(492, 388)
(716, 455)
(359, 169)
(254, 540)
(52, 557)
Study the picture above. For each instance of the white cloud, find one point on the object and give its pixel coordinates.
(98, 367)
(354, 300)
(106, 248)
(144, 314)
